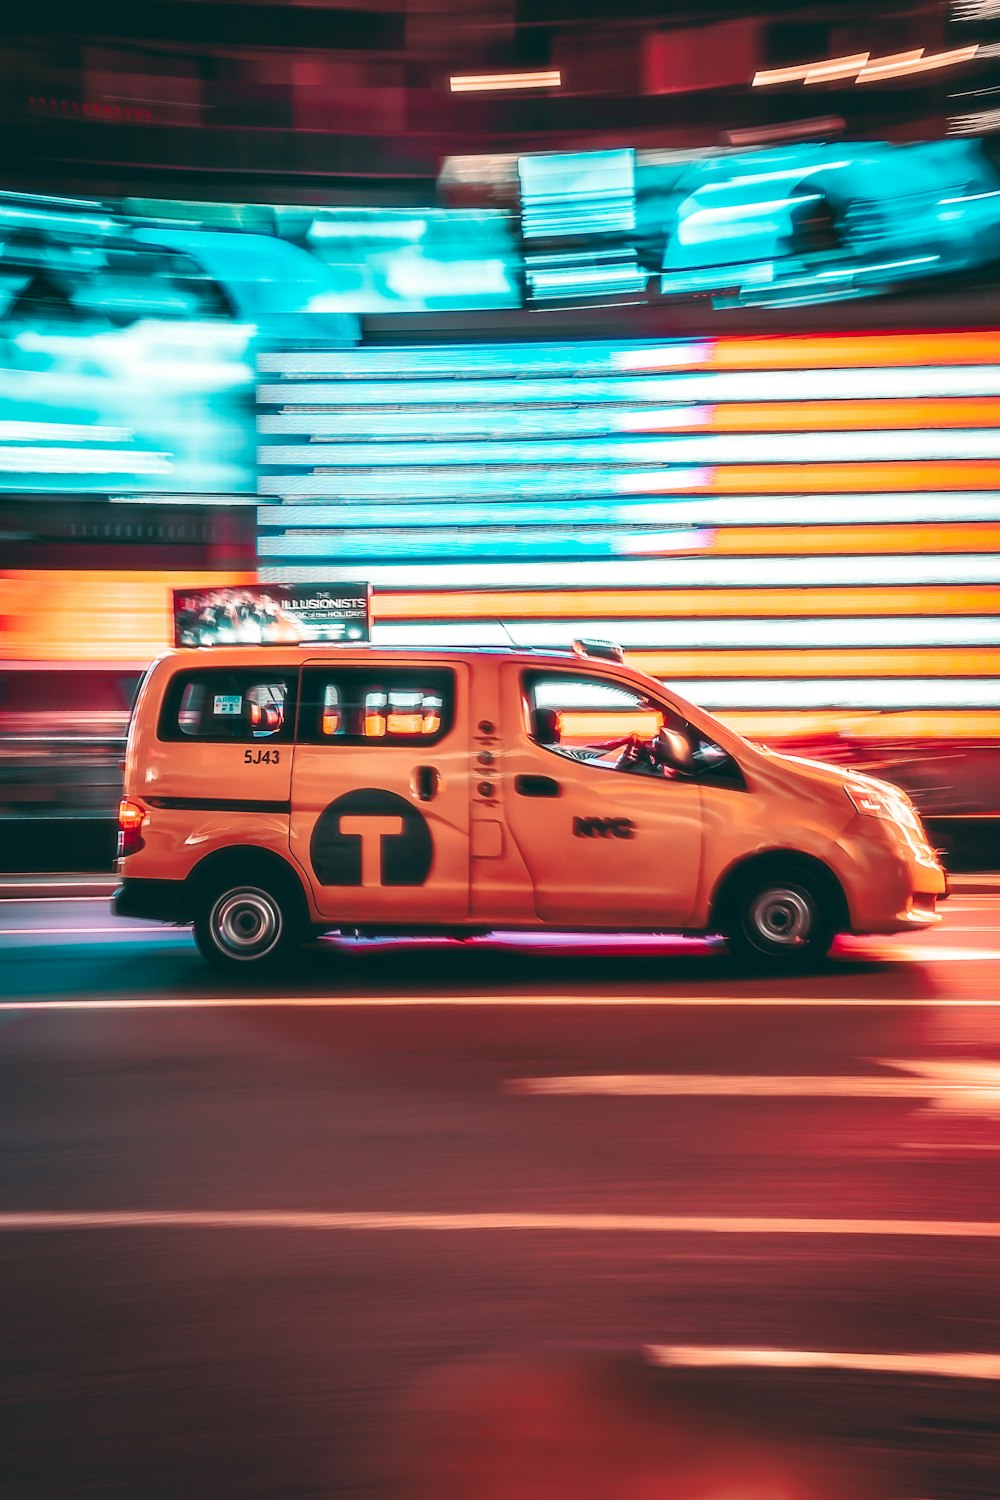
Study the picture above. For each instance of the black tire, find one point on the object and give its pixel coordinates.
(783, 922)
(246, 925)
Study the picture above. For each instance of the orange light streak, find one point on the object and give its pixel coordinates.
(848, 351)
(842, 416)
(892, 476)
(592, 727)
(94, 617)
(806, 541)
(613, 604)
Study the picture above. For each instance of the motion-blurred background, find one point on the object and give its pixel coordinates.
(672, 325)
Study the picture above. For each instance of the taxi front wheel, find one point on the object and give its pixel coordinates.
(779, 923)
(244, 925)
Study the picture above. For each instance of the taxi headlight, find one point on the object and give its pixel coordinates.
(871, 801)
(894, 806)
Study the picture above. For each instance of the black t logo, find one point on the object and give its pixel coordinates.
(371, 838)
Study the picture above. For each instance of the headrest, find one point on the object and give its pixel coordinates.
(545, 726)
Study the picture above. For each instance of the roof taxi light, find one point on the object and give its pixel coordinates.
(604, 650)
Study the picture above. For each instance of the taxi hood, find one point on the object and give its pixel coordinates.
(822, 773)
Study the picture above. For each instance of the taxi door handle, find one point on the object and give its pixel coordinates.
(536, 786)
(425, 783)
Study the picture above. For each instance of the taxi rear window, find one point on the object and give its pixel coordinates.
(361, 706)
(225, 706)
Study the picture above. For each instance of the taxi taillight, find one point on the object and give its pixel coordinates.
(130, 820)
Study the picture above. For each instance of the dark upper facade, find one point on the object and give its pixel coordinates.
(259, 99)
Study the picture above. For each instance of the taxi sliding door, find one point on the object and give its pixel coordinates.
(380, 791)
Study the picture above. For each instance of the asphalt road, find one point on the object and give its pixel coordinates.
(240, 1229)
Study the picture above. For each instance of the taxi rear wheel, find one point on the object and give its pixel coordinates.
(245, 925)
(779, 922)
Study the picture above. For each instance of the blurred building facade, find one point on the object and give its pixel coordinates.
(207, 97)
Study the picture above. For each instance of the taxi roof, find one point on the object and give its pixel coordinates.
(253, 655)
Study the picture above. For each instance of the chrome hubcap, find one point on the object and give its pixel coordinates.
(783, 916)
(246, 923)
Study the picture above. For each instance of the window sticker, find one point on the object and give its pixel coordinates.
(227, 703)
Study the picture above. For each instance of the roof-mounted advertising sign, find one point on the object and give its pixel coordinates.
(272, 614)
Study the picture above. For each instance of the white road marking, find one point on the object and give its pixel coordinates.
(489, 1223)
(959, 1366)
(480, 1002)
(950, 1084)
(378, 1002)
(926, 954)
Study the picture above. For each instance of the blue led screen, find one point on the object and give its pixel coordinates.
(130, 331)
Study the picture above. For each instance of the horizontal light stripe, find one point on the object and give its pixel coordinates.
(773, 541)
(872, 661)
(572, 357)
(872, 726)
(495, 1223)
(876, 693)
(483, 484)
(839, 351)
(529, 483)
(525, 421)
(707, 572)
(806, 352)
(373, 377)
(724, 448)
(702, 633)
(823, 416)
(449, 545)
(848, 478)
(708, 510)
(653, 604)
(946, 1366)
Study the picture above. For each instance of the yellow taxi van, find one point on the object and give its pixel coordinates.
(274, 792)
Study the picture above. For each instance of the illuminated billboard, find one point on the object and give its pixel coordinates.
(793, 530)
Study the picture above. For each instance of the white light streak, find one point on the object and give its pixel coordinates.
(703, 634)
(62, 432)
(947, 1366)
(834, 66)
(954, 507)
(492, 82)
(906, 63)
(703, 448)
(82, 461)
(662, 572)
(947, 1084)
(867, 692)
(619, 388)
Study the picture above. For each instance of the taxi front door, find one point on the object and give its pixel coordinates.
(380, 811)
(604, 848)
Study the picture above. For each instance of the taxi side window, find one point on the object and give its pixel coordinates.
(217, 705)
(361, 706)
(587, 718)
(613, 728)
